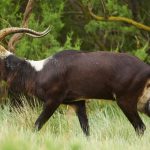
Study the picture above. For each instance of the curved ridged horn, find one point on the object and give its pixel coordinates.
(30, 32)
(38, 36)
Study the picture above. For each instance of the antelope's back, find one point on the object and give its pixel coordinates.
(99, 74)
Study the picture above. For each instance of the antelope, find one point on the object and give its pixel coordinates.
(71, 77)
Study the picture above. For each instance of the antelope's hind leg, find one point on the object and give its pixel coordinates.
(80, 109)
(129, 108)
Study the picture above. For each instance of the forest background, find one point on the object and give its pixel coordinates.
(74, 28)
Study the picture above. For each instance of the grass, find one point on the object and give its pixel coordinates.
(109, 130)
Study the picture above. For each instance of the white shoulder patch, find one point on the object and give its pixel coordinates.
(38, 65)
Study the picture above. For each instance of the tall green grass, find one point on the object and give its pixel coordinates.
(109, 129)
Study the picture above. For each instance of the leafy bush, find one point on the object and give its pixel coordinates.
(72, 27)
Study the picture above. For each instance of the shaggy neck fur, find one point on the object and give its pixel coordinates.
(20, 75)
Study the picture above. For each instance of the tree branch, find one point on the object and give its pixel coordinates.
(120, 19)
(16, 37)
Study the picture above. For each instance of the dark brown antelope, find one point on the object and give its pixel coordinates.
(71, 77)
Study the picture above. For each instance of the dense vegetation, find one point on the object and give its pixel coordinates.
(74, 28)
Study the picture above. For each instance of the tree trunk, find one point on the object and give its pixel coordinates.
(16, 37)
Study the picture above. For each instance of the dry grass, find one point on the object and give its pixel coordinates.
(109, 130)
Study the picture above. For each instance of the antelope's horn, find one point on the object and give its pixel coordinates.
(3, 52)
(30, 32)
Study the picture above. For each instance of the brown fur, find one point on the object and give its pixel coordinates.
(71, 77)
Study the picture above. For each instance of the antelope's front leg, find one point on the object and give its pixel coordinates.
(49, 108)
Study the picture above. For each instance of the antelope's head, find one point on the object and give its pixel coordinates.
(4, 53)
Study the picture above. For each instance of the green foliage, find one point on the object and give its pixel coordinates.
(105, 35)
(73, 28)
(141, 53)
(117, 31)
(68, 44)
(50, 14)
(115, 8)
(9, 17)
(94, 26)
(40, 48)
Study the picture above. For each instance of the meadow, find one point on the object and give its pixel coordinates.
(108, 126)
